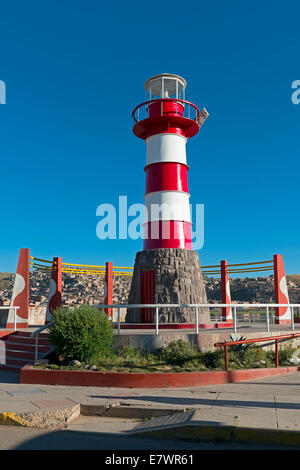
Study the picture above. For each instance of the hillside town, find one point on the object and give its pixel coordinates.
(84, 289)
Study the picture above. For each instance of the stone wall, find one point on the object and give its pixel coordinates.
(178, 280)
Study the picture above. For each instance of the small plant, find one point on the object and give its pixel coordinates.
(178, 352)
(81, 333)
(238, 348)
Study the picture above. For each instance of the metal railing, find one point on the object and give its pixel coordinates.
(197, 306)
(35, 334)
(8, 307)
(186, 109)
(225, 345)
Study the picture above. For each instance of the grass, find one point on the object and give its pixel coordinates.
(178, 356)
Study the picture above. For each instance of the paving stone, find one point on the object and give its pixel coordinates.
(54, 403)
(28, 391)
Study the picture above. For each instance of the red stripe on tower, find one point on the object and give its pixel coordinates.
(166, 129)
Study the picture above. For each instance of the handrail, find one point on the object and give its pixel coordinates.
(172, 100)
(277, 338)
(42, 328)
(36, 335)
(5, 307)
(216, 305)
(197, 306)
(8, 307)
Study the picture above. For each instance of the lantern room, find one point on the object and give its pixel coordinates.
(165, 86)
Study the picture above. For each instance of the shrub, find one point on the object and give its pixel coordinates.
(178, 352)
(81, 333)
(214, 359)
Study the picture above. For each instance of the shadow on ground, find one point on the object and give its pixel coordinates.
(9, 377)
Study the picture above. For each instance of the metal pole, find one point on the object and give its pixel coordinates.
(197, 320)
(226, 357)
(156, 320)
(36, 347)
(292, 315)
(15, 322)
(268, 320)
(119, 315)
(276, 353)
(234, 318)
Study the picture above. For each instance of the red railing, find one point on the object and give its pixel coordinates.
(225, 344)
(172, 100)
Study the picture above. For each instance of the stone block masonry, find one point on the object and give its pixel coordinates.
(178, 280)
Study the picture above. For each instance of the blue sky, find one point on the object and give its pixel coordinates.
(74, 71)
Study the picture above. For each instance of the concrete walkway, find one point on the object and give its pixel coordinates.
(268, 409)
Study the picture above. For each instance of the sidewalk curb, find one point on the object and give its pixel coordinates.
(226, 434)
(48, 418)
(83, 378)
(13, 419)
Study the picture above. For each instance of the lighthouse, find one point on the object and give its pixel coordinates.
(167, 270)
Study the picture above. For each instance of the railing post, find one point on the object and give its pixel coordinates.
(109, 288)
(156, 320)
(276, 353)
(292, 318)
(283, 314)
(197, 320)
(226, 357)
(119, 315)
(15, 320)
(268, 320)
(225, 292)
(20, 293)
(234, 319)
(36, 347)
(55, 288)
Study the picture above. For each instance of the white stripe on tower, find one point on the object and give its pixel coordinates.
(167, 205)
(166, 148)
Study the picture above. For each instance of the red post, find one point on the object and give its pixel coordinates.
(283, 315)
(226, 357)
(20, 295)
(109, 288)
(225, 292)
(55, 288)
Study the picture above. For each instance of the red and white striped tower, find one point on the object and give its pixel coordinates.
(169, 123)
(165, 122)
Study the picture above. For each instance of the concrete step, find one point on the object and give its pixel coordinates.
(19, 361)
(28, 333)
(25, 354)
(10, 367)
(25, 347)
(27, 340)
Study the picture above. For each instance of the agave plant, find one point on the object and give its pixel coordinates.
(239, 348)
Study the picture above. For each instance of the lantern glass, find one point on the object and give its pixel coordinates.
(165, 86)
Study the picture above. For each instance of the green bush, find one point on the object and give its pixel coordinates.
(81, 333)
(214, 359)
(178, 352)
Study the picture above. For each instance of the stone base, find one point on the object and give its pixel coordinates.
(178, 280)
